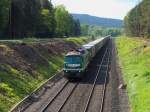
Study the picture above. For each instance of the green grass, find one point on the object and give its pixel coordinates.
(14, 87)
(135, 64)
(55, 64)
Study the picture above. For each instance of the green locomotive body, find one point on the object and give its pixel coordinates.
(75, 63)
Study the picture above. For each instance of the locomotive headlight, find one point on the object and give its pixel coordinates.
(79, 71)
(66, 71)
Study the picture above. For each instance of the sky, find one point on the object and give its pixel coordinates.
(116, 9)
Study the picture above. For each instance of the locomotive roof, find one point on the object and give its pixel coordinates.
(73, 53)
(77, 52)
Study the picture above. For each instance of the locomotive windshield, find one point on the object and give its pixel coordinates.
(73, 61)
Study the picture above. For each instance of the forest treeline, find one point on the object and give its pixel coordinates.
(137, 22)
(95, 30)
(36, 18)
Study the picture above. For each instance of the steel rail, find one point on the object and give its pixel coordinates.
(59, 110)
(92, 90)
(63, 104)
(105, 83)
(50, 102)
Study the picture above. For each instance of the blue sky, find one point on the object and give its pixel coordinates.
(102, 8)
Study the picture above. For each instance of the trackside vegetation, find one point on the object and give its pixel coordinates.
(25, 66)
(134, 56)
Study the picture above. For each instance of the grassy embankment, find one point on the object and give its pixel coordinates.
(23, 67)
(134, 55)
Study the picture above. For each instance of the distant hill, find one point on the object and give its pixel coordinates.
(93, 20)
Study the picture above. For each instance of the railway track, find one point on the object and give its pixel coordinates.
(63, 95)
(105, 60)
(105, 83)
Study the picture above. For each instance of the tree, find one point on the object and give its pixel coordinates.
(46, 27)
(84, 29)
(25, 17)
(61, 16)
(65, 24)
(137, 22)
(4, 15)
(77, 28)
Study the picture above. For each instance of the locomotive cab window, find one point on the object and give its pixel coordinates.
(73, 59)
(73, 62)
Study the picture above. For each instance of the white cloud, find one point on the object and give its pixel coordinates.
(102, 8)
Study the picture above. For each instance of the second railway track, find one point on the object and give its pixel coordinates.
(103, 67)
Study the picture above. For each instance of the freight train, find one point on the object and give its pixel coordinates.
(76, 61)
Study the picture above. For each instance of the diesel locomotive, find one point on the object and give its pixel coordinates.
(76, 61)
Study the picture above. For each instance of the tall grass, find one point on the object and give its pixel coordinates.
(135, 64)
